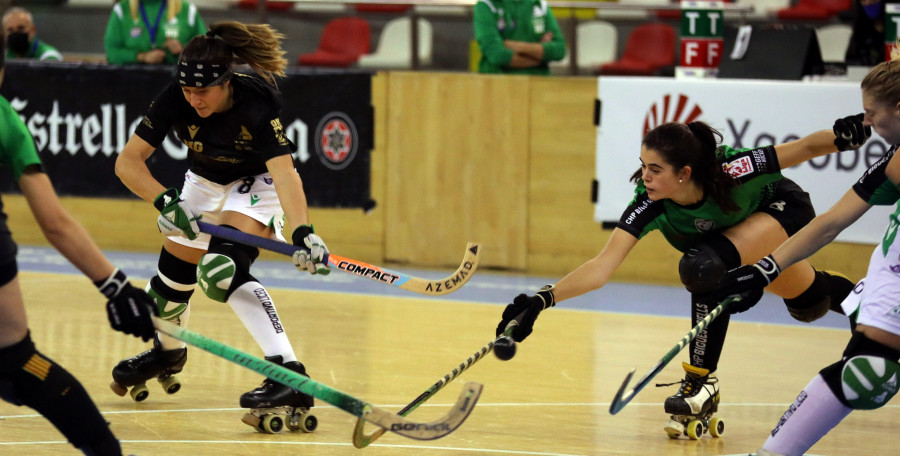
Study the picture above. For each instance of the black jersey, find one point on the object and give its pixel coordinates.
(226, 146)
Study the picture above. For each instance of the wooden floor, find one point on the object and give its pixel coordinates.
(551, 399)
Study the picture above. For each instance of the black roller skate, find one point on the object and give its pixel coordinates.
(273, 405)
(154, 363)
(692, 407)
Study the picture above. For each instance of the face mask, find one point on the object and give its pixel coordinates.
(18, 42)
(873, 10)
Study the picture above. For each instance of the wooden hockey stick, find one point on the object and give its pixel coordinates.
(363, 410)
(383, 275)
(623, 398)
(361, 440)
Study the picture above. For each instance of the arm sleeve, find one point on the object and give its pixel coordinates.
(17, 148)
(488, 37)
(114, 42)
(554, 50)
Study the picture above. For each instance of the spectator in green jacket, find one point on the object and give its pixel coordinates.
(150, 31)
(21, 39)
(517, 36)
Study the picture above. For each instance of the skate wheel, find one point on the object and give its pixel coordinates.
(139, 392)
(118, 389)
(272, 424)
(716, 427)
(695, 429)
(170, 384)
(308, 422)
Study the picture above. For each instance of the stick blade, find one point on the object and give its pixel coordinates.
(360, 439)
(451, 283)
(435, 429)
(618, 403)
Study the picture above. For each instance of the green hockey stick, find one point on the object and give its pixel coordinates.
(361, 440)
(623, 398)
(361, 409)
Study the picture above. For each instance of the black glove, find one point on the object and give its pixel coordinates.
(532, 306)
(850, 133)
(745, 284)
(129, 308)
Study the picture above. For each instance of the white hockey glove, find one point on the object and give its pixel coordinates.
(175, 216)
(312, 254)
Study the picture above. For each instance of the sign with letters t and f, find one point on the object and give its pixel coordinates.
(891, 18)
(701, 37)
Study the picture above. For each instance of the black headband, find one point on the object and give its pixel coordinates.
(202, 74)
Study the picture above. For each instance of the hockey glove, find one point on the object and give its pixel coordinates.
(175, 217)
(532, 306)
(850, 133)
(745, 284)
(129, 308)
(311, 256)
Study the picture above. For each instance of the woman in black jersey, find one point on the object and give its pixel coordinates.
(721, 207)
(241, 175)
(27, 376)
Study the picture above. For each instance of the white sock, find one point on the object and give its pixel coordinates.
(815, 412)
(252, 304)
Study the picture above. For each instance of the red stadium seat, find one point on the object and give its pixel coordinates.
(343, 41)
(814, 10)
(273, 5)
(649, 48)
(381, 8)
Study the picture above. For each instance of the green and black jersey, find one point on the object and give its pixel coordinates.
(226, 146)
(758, 172)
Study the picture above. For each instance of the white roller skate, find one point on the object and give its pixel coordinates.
(154, 363)
(274, 406)
(693, 406)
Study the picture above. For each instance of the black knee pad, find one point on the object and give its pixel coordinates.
(839, 287)
(242, 256)
(813, 303)
(703, 265)
(859, 346)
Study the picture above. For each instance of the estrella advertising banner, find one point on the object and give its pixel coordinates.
(748, 113)
(81, 116)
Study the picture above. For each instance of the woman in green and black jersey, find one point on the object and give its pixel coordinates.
(722, 207)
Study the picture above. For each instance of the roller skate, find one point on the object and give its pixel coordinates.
(274, 406)
(156, 362)
(693, 406)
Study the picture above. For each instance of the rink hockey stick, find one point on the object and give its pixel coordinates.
(361, 440)
(363, 410)
(624, 397)
(437, 287)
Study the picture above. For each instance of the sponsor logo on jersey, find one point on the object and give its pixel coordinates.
(279, 132)
(740, 167)
(336, 140)
(192, 130)
(244, 139)
(254, 199)
(672, 108)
